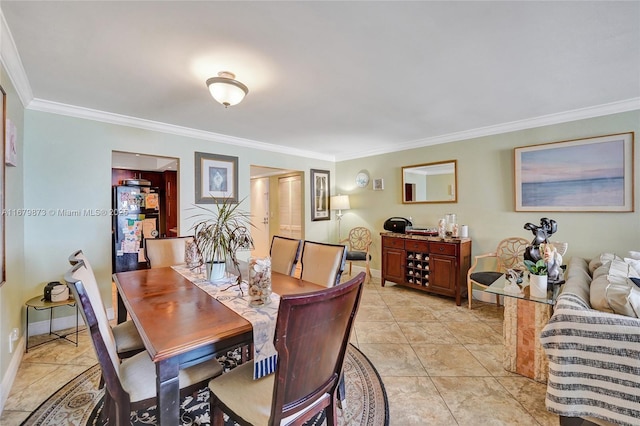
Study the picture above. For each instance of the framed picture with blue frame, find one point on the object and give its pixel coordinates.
(593, 174)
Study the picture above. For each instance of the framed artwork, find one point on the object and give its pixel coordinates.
(3, 273)
(583, 175)
(216, 178)
(378, 184)
(320, 195)
(11, 152)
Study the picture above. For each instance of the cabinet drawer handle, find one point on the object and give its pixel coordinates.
(441, 248)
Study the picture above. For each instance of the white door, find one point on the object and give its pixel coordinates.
(260, 216)
(290, 206)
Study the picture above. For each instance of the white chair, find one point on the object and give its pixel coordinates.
(284, 254)
(163, 252)
(322, 263)
(127, 339)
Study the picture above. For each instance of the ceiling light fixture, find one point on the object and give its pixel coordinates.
(226, 89)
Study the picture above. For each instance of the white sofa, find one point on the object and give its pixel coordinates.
(594, 355)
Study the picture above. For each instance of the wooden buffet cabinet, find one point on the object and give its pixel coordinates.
(431, 264)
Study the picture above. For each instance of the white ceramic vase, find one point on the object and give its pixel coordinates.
(538, 286)
(216, 270)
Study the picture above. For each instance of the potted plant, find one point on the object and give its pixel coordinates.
(219, 234)
(537, 278)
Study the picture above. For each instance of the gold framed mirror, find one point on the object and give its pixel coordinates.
(430, 183)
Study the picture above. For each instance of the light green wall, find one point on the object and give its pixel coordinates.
(12, 294)
(486, 191)
(68, 166)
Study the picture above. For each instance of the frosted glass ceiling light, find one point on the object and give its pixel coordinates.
(226, 89)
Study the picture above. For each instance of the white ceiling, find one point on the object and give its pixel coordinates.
(333, 80)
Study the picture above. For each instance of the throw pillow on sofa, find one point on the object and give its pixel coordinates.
(600, 260)
(612, 290)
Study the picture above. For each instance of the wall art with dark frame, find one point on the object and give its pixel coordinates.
(320, 194)
(3, 246)
(216, 178)
(593, 174)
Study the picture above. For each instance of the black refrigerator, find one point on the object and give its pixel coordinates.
(137, 216)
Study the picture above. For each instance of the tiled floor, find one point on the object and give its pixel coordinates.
(441, 364)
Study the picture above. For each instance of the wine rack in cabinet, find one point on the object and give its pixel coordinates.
(429, 264)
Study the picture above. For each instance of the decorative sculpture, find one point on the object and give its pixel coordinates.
(540, 248)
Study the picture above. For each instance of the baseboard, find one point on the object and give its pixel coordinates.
(62, 323)
(12, 371)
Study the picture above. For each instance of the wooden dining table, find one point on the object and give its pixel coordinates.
(182, 325)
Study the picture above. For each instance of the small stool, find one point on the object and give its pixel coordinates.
(39, 304)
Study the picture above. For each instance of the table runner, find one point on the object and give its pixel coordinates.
(262, 319)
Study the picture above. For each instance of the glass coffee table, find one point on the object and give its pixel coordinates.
(524, 319)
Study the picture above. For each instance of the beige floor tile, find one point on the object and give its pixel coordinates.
(449, 360)
(474, 332)
(427, 332)
(393, 359)
(481, 401)
(411, 313)
(379, 332)
(374, 313)
(416, 401)
(491, 357)
(371, 298)
(531, 395)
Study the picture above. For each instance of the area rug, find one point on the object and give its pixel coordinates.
(80, 402)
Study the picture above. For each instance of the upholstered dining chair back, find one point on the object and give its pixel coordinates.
(284, 254)
(311, 337)
(127, 338)
(322, 263)
(130, 384)
(162, 252)
(83, 286)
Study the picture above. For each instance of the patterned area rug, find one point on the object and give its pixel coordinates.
(80, 401)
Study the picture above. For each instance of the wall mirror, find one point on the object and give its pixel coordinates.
(430, 183)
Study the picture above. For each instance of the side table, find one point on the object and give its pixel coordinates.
(524, 319)
(39, 304)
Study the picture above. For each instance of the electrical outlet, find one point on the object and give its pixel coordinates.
(12, 338)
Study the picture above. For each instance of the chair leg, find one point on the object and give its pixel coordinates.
(368, 272)
(330, 412)
(217, 417)
(350, 265)
(469, 293)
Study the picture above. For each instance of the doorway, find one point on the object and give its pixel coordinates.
(146, 188)
(277, 206)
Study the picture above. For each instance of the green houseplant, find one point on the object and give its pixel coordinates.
(219, 233)
(538, 278)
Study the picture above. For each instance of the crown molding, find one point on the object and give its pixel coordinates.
(123, 120)
(632, 104)
(12, 63)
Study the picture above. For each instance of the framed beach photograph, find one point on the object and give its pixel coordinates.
(583, 175)
(320, 195)
(216, 178)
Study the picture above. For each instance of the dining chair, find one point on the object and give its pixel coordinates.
(130, 384)
(322, 263)
(127, 339)
(311, 337)
(508, 255)
(163, 252)
(358, 244)
(284, 254)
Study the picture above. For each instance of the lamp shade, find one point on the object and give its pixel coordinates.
(340, 202)
(226, 90)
